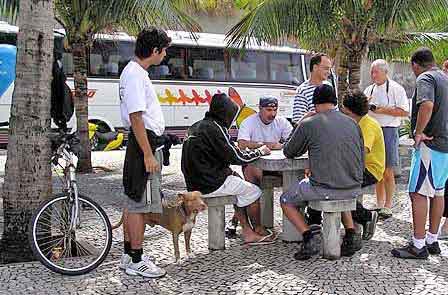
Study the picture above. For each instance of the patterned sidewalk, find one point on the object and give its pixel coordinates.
(237, 270)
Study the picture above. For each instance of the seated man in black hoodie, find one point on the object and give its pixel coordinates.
(207, 154)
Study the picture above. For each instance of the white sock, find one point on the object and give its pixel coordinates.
(418, 243)
(431, 238)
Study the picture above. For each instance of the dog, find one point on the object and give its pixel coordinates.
(178, 216)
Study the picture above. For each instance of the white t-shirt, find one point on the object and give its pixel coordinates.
(137, 94)
(395, 97)
(253, 129)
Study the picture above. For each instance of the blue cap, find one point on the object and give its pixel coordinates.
(268, 101)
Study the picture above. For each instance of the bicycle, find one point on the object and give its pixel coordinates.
(70, 233)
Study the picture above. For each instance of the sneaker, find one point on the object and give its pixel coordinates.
(351, 243)
(126, 259)
(145, 269)
(410, 252)
(368, 228)
(385, 213)
(231, 229)
(308, 249)
(434, 248)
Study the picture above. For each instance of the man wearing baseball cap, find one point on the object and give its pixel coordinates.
(336, 155)
(263, 128)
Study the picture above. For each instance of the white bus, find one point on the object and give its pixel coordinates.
(193, 70)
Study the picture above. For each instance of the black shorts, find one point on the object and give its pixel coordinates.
(368, 179)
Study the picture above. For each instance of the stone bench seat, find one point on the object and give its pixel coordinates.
(331, 224)
(217, 220)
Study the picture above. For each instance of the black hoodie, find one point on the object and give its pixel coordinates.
(208, 151)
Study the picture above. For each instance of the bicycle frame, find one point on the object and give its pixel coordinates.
(71, 187)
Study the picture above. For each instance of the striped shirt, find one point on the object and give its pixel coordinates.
(303, 102)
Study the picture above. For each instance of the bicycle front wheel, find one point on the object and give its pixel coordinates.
(68, 249)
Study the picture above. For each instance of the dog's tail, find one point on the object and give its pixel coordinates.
(119, 223)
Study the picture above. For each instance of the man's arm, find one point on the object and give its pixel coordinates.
(138, 127)
(401, 109)
(300, 108)
(297, 144)
(391, 111)
(243, 144)
(423, 117)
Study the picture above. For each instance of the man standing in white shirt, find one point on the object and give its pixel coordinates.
(141, 112)
(388, 104)
(263, 128)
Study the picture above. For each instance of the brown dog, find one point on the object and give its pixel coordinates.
(179, 215)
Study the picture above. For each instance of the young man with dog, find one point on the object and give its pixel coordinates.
(141, 112)
(207, 154)
(336, 154)
(429, 173)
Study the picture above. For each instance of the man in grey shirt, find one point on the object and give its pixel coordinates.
(336, 154)
(429, 168)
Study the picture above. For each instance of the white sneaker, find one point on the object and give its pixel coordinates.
(146, 269)
(126, 259)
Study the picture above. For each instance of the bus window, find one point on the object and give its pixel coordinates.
(296, 69)
(172, 67)
(6, 38)
(282, 68)
(248, 66)
(206, 64)
(126, 53)
(104, 57)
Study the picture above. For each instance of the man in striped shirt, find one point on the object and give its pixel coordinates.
(320, 66)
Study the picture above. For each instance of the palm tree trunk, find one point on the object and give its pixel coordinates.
(81, 103)
(342, 72)
(354, 75)
(28, 169)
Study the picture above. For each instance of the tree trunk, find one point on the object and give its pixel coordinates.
(354, 75)
(28, 169)
(342, 72)
(79, 49)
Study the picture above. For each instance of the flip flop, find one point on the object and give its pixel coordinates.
(272, 234)
(261, 241)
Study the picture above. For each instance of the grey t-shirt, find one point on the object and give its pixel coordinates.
(432, 86)
(335, 148)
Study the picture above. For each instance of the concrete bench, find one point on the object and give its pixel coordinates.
(217, 220)
(268, 183)
(331, 224)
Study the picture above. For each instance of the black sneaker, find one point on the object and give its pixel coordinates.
(351, 243)
(434, 248)
(309, 248)
(410, 252)
(369, 227)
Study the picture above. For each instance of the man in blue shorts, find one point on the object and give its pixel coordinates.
(429, 171)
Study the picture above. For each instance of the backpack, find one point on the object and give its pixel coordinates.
(62, 106)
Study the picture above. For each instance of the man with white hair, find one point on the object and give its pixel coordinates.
(388, 103)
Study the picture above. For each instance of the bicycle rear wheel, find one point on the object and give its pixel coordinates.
(66, 251)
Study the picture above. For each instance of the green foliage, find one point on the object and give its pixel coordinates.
(8, 10)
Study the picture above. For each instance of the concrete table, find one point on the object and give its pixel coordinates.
(290, 169)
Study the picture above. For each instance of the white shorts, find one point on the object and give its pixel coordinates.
(246, 193)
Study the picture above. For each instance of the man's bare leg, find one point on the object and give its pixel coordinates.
(248, 234)
(253, 175)
(435, 213)
(253, 212)
(347, 220)
(389, 185)
(419, 213)
(380, 194)
(295, 217)
(135, 228)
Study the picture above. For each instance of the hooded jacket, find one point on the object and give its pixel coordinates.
(208, 151)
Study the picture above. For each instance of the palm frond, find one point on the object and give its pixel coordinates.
(9, 10)
(276, 21)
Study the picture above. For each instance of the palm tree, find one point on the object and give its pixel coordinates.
(28, 174)
(345, 29)
(82, 19)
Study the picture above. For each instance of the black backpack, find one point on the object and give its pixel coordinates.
(62, 107)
